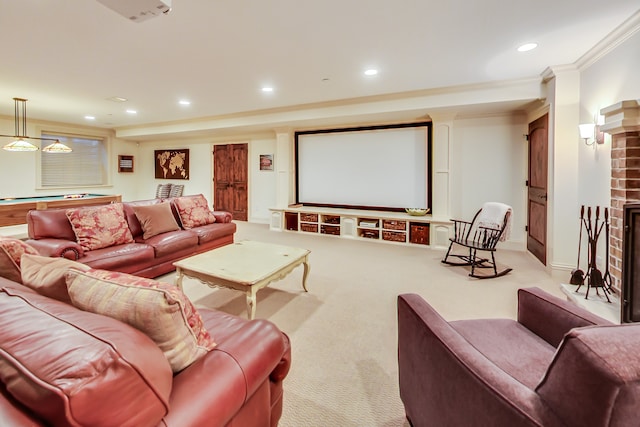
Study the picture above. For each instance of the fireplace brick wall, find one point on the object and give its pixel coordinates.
(622, 122)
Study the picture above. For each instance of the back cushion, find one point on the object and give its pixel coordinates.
(132, 219)
(11, 251)
(72, 367)
(99, 227)
(594, 378)
(50, 223)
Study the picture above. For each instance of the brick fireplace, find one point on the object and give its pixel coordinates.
(622, 122)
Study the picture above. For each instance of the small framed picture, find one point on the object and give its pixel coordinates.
(125, 163)
(266, 162)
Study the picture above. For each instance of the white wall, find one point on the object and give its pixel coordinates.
(489, 164)
(614, 77)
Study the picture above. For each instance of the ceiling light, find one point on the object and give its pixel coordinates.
(89, 117)
(19, 143)
(132, 112)
(184, 102)
(527, 47)
(371, 72)
(57, 147)
(117, 99)
(267, 89)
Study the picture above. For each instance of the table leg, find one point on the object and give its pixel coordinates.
(179, 277)
(307, 267)
(251, 303)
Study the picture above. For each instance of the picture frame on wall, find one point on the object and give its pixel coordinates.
(172, 164)
(266, 162)
(125, 163)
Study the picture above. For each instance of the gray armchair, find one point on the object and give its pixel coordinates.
(556, 365)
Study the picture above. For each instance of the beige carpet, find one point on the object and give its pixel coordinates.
(344, 331)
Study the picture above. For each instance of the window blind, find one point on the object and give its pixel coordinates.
(85, 166)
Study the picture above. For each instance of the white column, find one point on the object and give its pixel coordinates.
(441, 173)
(285, 180)
(563, 225)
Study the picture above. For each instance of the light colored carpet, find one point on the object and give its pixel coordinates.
(344, 331)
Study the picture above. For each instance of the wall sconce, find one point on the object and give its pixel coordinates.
(591, 131)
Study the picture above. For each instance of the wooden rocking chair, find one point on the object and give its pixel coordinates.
(476, 236)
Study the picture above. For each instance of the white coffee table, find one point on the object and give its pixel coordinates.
(246, 266)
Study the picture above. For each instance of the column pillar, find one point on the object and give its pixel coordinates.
(622, 122)
(284, 158)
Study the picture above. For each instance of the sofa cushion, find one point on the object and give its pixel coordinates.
(210, 232)
(98, 227)
(194, 211)
(172, 242)
(11, 251)
(46, 275)
(155, 219)
(132, 219)
(494, 338)
(121, 256)
(160, 310)
(72, 367)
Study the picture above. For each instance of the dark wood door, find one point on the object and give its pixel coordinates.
(537, 199)
(230, 179)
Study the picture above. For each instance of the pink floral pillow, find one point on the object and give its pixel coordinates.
(98, 227)
(11, 251)
(194, 211)
(160, 310)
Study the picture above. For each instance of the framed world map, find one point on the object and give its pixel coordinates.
(172, 164)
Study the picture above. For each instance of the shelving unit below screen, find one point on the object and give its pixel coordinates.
(388, 227)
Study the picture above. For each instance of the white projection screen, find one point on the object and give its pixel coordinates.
(380, 167)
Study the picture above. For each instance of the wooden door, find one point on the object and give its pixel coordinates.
(537, 198)
(230, 179)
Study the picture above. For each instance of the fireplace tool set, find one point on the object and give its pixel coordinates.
(593, 277)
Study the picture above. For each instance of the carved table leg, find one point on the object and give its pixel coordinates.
(251, 303)
(307, 267)
(179, 277)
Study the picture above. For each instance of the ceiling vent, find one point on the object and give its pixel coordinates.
(138, 10)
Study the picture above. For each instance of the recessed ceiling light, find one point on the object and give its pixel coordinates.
(117, 99)
(132, 112)
(527, 47)
(184, 102)
(90, 117)
(371, 72)
(267, 89)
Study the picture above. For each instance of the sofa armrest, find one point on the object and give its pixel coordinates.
(223, 216)
(551, 317)
(57, 248)
(216, 386)
(438, 369)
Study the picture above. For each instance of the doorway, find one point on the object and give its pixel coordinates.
(537, 188)
(230, 171)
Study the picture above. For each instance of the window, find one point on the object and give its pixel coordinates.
(85, 166)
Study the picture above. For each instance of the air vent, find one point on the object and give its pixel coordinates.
(138, 10)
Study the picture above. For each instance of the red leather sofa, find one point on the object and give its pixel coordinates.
(62, 366)
(51, 234)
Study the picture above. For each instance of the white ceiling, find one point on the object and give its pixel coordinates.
(69, 56)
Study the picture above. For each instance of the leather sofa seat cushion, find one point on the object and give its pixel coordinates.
(171, 242)
(119, 256)
(494, 338)
(208, 233)
(124, 380)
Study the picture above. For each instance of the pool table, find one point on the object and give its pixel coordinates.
(13, 211)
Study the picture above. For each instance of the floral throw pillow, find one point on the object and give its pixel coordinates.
(98, 227)
(11, 251)
(194, 211)
(160, 310)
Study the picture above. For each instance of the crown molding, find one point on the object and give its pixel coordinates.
(614, 39)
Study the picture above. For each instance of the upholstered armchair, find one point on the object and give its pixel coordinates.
(556, 365)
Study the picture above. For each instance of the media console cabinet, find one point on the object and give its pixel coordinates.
(389, 227)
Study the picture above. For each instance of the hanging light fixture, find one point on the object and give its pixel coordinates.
(20, 142)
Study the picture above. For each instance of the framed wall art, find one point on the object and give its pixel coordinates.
(266, 162)
(172, 164)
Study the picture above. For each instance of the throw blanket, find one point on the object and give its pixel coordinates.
(492, 216)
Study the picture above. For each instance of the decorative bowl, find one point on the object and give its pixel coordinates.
(417, 211)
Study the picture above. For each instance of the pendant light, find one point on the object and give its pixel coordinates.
(20, 142)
